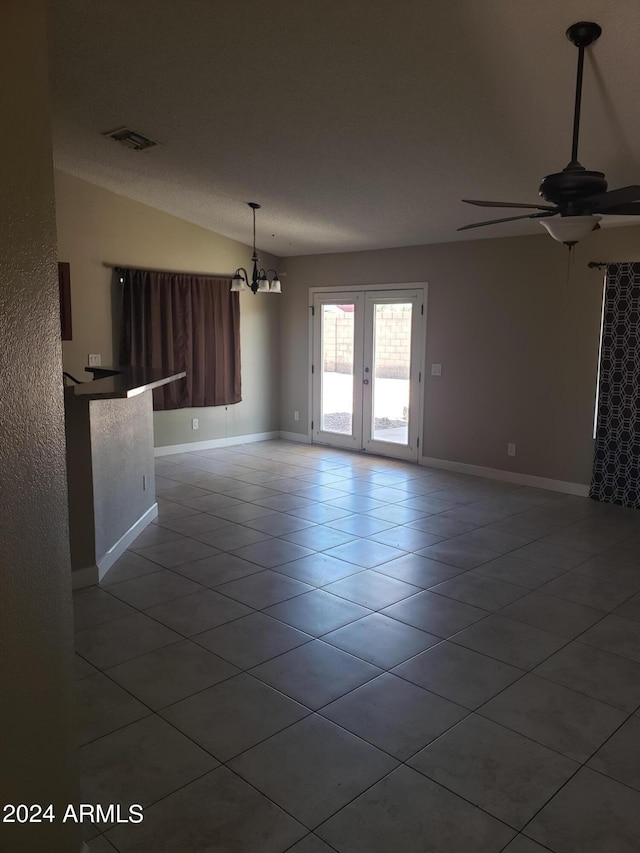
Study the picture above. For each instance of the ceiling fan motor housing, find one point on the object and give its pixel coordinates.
(566, 188)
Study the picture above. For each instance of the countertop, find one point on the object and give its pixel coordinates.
(125, 382)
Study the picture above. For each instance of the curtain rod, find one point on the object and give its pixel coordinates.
(117, 267)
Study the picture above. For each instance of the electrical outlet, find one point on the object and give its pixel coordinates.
(511, 449)
(436, 370)
(296, 416)
(95, 359)
(195, 423)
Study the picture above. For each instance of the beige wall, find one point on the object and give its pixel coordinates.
(515, 329)
(95, 227)
(38, 752)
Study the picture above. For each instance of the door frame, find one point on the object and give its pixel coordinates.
(336, 291)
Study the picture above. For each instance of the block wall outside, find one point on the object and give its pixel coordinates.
(392, 344)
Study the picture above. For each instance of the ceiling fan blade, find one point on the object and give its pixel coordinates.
(603, 201)
(631, 209)
(507, 204)
(552, 212)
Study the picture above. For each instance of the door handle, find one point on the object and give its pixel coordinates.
(365, 381)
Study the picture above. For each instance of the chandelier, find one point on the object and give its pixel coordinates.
(263, 281)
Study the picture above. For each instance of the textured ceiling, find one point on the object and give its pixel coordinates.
(357, 124)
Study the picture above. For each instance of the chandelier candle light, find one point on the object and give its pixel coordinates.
(260, 280)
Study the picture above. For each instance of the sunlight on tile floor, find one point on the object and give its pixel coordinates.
(312, 650)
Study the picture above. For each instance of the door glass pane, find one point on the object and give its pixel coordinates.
(336, 405)
(390, 372)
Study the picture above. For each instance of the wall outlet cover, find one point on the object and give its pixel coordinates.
(95, 359)
(436, 370)
(511, 449)
(195, 423)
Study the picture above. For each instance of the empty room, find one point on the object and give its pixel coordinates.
(320, 427)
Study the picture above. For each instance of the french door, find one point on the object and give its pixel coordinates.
(367, 355)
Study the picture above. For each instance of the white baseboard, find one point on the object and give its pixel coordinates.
(507, 476)
(123, 543)
(295, 436)
(212, 443)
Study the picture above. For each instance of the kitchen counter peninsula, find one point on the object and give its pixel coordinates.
(110, 465)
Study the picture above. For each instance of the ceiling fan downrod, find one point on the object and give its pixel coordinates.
(582, 35)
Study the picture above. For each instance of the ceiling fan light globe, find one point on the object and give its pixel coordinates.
(570, 229)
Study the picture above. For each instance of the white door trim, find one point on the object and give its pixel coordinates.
(340, 289)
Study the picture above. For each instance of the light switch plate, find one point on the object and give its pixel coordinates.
(436, 370)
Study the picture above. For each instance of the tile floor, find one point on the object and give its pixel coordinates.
(312, 650)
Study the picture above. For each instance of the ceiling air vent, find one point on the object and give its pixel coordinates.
(131, 139)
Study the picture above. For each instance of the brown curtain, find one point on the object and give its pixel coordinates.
(176, 322)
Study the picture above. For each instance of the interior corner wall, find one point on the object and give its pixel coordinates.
(515, 324)
(38, 762)
(98, 227)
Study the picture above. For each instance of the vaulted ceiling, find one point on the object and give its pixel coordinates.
(357, 124)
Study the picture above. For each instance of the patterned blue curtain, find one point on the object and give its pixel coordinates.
(616, 469)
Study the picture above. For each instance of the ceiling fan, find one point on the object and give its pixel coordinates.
(578, 197)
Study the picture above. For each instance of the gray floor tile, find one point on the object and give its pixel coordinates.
(509, 641)
(601, 675)
(507, 775)
(310, 844)
(167, 675)
(554, 716)
(419, 571)
(382, 641)
(312, 769)
(493, 540)
(175, 553)
(360, 525)
(565, 618)
(558, 556)
(590, 591)
(103, 707)
(466, 677)
(198, 522)
(279, 524)
(317, 612)
(219, 569)
(153, 589)
(210, 816)
(365, 553)
(319, 513)
(434, 613)
(616, 635)
(263, 589)
(395, 514)
(234, 716)
(394, 715)
(129, 566)
(101, 845)
(122, 639)
(83, 668)
(196, 613)
(522, 844)
(372, 589)
(251, 640)
(630, 609)
(591, 814)
(315, 674)
(485, 592)
(140, 763)
(153, 534)
(406, 538)
(318, 569)
(320, 537)
(518, 571)
(272, 552)
(409, 812)
(458, 553)
(94, 606)
(446, 528)
(619, 758)
(232, 536)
